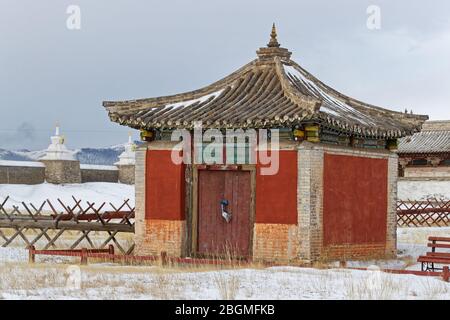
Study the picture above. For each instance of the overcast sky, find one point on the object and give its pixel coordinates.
(130, 49)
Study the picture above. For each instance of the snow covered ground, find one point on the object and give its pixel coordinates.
(57, 278)
(422, 189)
(115, 193)
(48, 279)
(19, 281)
(97, 192)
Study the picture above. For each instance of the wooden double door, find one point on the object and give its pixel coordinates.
(224, 195)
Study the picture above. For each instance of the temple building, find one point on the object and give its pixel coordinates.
(426, 154)
(331, 197)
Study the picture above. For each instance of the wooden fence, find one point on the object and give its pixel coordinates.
(429, 213)
(79, 222)
(86, 224)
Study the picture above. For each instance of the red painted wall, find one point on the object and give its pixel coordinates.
(276, 195)
(355, 200)
(164, 187)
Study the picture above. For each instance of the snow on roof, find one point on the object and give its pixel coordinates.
(194, 101)
(330, 104)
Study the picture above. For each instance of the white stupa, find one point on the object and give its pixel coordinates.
(57, 150)
(127, 157)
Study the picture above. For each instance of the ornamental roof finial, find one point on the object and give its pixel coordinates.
(273, 43)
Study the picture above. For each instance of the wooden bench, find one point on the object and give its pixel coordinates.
(431, 258)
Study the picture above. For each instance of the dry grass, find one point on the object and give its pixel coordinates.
(373, 285)
(227, 285)
(321, 284)
(19, 276)
(433, 290)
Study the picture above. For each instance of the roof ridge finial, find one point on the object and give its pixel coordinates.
(273, 43)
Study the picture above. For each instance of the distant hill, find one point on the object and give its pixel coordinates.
(100, 156)
(103, 156)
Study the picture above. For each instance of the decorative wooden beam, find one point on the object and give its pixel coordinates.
(392, 144)
(312, 132)
(298, 134)
(147, 135)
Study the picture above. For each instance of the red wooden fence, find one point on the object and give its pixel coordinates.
(428, 213)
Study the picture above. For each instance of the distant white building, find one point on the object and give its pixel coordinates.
(57, 149)
(127, 157)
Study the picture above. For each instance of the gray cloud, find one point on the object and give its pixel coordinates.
(25, 133)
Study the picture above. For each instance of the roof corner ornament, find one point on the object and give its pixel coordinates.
(273, 43)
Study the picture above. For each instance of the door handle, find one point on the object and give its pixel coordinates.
(225, 214)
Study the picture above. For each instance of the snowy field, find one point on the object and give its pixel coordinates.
(97, 192)
(116, 193)
(422, 189)
(53, 278)
(57, 278)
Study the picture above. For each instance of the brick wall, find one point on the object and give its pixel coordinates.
(165, 186)
(126, 174)
(275, 232)
(62, 171)
(139, 187)
(273, 206)
(309, 199)
(99, 175)
(164, 235)
(160, 221)
(275, 242)
(164, 228)
(14, 174)
(355, 199)
(311, 206)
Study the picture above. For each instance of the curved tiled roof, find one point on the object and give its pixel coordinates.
(435, 138)
(270, 92)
